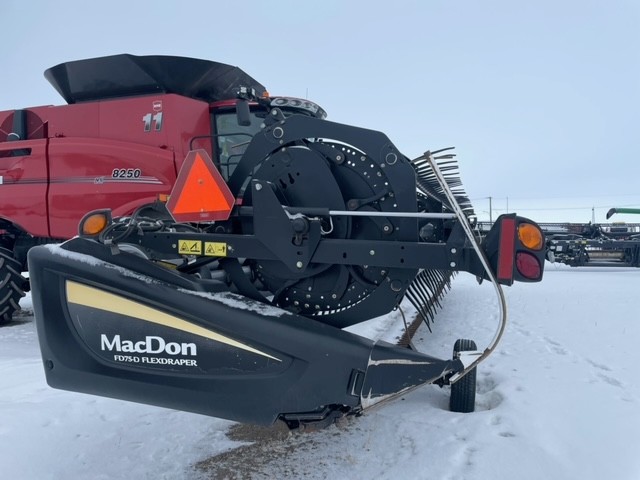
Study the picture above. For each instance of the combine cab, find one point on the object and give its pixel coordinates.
(229, 296)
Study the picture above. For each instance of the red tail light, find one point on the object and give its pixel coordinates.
(528, 266)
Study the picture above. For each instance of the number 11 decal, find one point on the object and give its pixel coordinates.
(152, 118)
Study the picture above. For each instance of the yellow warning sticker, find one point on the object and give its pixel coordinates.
(215, 249)
(190, 247)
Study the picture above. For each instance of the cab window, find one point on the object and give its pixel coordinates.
(232, 139)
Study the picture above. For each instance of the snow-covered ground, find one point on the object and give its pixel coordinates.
(560, 399)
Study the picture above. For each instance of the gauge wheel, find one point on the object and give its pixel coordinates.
(463, 392)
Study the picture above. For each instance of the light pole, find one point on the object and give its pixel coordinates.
(490, 212)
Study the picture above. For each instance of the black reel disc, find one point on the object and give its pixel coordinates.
(338, 177)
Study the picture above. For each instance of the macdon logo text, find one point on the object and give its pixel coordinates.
(150, 344)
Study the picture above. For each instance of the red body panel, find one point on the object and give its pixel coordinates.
(82, 178)
(116, 154)
(23, 186)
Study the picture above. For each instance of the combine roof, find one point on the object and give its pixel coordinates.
(129, 75)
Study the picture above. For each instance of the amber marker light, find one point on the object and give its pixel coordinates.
(93, 223)
(530, 236)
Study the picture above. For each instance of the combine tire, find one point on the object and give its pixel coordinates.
(463, 392)
(11, 285)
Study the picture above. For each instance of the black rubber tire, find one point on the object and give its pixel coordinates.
(12, 285)
(463, 392)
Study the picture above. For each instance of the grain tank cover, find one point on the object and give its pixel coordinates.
(127, 75)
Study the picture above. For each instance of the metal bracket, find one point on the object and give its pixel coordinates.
(274, 227)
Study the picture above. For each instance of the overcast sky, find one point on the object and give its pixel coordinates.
(541, 99)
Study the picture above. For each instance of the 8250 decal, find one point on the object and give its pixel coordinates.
(126, 173)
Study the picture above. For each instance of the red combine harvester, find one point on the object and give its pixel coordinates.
(231, 236)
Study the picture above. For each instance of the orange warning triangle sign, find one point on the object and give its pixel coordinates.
(200, 193)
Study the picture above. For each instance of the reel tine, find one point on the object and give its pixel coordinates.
(427, 181)
(445, 277)
(417, 304)
(424, 298)
(414, 301)
(427, 293)
(436, 285)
